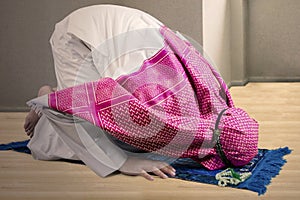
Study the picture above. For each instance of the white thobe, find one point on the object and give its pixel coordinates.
(87, 45)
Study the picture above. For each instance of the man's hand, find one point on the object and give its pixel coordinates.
(142, 167)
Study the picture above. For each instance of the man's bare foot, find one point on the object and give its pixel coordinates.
(30, 121)
(32, 118)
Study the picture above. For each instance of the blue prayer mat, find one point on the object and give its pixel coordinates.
(263, 167)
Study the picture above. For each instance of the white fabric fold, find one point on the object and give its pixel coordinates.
(75, 139)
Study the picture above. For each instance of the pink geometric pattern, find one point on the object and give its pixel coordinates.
(169, 106)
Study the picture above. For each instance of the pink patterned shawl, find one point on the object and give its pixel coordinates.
(169, 106)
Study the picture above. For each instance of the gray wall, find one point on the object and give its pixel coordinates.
(273, 40)
(263, 43)
(182, 15)
(25, 55)
(26, 26)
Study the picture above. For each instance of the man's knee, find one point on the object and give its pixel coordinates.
(46, 89)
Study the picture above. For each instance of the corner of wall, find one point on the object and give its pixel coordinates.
(238, 42)
(217, 34)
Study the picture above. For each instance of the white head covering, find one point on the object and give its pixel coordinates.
(89, 43)
(97, 23)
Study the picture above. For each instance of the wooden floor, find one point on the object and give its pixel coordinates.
(275, 105)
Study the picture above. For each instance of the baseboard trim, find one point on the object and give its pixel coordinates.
(273, 79)
(263, 79)
(239, 82)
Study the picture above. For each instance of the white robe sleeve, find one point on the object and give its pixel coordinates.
(72, 58)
